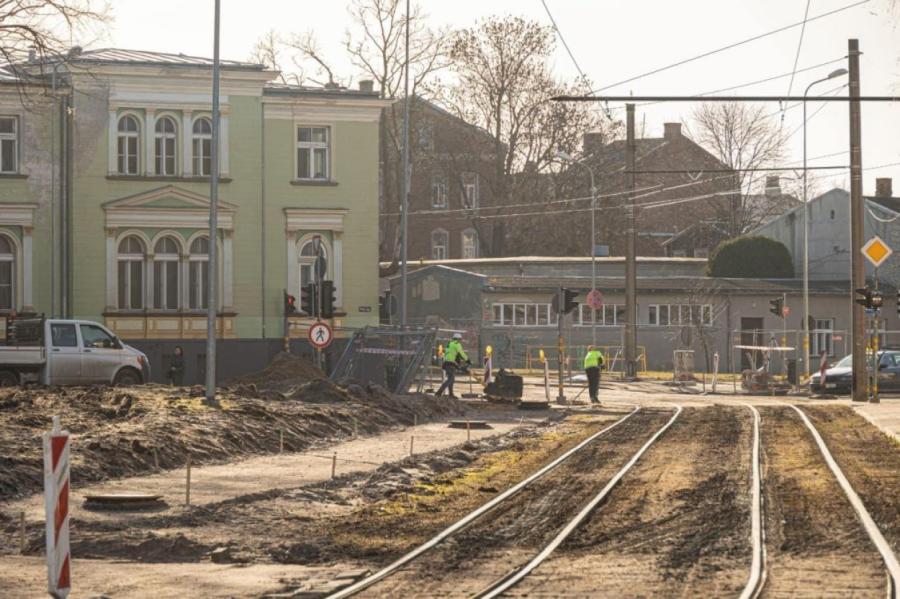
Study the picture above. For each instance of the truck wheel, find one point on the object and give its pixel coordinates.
(8, 379)
(127, 377)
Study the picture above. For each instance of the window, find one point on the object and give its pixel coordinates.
(680, 314)
(198, 277)
(129, 144)
(7, 274)
(438, 194)
(202, 147)
(166, 274)
(522, 315)
(94, 336)
(440, 244)
(823, 337)
(469, 196)
(607, 316)
(63, 335)
(312, 153)
(308, 262)
(131, 273)
(470, 243)
(166, 139)
(426, 137)
(9, 144)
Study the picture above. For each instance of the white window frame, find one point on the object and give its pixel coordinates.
(307, 264)
(198, 156)
(443, 236)
(438, 194)
(159, 143)
(166, 261)
(674, 314)
(123, 158)
(199, 299)
(312, 146)
(13, 269)
(469, 240)
(131, 259)
(469, 183)
(14, 137)
(522, 314)
(823, 334)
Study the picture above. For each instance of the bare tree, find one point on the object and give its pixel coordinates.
(37, 31)
(308, 50)
(269, 51)
(742, 137)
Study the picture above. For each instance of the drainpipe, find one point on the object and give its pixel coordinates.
(262, 213)
(65, 195)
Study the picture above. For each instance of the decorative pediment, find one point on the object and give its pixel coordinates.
(166, 207)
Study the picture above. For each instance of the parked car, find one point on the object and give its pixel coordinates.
(68, 352)
(839, 377)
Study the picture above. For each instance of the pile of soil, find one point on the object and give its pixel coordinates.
(118, 433)
(285, 369)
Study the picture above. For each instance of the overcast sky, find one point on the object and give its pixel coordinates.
(613, 40)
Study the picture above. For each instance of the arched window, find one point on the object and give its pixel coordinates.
(166, 291)
(131, 273)
(7, 274)
(202, 147)
(199, 274)
(166, 142)
(440, 244)
(129, 143)
(308, 262)
(470, 243)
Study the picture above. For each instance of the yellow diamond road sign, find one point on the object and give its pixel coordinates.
(876, 251)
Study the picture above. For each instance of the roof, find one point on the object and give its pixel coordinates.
(441, 267)
(462, 262)
(711, 285)
(287, 89)
(151, 58)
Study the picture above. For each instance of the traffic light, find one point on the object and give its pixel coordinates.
(869, 299)
(568, 300)
(290, 304)
(776, 307)
(327, 290)
(308, 299)
(877, 300)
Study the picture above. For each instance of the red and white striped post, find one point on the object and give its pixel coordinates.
(488, 366)
(56, 503)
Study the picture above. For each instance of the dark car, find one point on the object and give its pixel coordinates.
(839, 377)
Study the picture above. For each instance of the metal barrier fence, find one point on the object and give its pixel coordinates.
(613, 354)
(387, 356)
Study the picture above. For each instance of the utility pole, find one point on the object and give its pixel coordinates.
(404, 200)
(630, 266)
(561, 347)
(857, 265)
(212, 277)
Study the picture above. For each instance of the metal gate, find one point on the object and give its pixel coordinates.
(387, 356)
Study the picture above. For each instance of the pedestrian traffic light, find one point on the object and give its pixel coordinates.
(308, 299)
(290, 304)
(776, 307)
(328, 300)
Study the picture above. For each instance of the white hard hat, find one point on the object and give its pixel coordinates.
(457, 336)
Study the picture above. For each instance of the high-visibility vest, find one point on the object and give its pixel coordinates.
(454, 349)
(593, 359)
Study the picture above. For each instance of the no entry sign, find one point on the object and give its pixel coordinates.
(320, 335)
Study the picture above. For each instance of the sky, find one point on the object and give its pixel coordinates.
(613, 40)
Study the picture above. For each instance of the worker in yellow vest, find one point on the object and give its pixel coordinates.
(454, 356)
(593, 361)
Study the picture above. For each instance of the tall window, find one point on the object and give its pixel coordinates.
(308, 262)
(165, 274)
(312, 153)
(202, 147)
(7, 274)
(440, 244)
(469, 243)
(131, 273)
(823, 337)
(438, 194)
(199, 274)
(469, 190)
(129, 143)
(166, 139)
(9, 144)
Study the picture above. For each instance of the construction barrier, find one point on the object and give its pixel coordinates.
(613, 354)
(56, 503)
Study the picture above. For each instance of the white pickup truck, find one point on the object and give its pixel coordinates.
(68, 352)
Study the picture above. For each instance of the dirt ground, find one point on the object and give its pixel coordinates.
(816, 546)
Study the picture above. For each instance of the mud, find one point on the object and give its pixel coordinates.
(119, 433)
(815, 545)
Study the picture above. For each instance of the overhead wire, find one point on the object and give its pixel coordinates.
(797, 55)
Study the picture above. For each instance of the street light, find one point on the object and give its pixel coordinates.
(566, 157)
(832, 75)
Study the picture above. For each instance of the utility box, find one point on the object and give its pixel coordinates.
(684, 364)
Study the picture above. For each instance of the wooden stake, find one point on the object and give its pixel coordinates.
(468, 431)
(281, 441)
(415, 420)
(355, 427)
(23, 537)
(156, 459)
(187, 489)
(411, 439)
(333, 465)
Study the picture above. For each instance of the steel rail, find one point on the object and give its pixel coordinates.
(758, 564)
(471, 516)
(884, 548)
(515, 577)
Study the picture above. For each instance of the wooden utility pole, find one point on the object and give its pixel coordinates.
(561, 347)
(630, 250)
(857, 232)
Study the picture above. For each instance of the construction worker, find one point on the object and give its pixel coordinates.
(593, 360)
(454, 356)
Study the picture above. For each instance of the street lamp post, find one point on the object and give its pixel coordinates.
(566, 157)
(831, 75)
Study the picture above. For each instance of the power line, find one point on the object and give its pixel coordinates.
(797, 56)
(810, 117)
(730, 46)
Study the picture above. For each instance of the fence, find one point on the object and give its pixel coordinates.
(387, 356)
(614, 355)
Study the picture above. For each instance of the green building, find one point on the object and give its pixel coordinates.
(104, 200)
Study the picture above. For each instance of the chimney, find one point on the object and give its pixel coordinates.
(883, 187)
(591, 142)
(672, 131)
(366, 85)
(773, 186)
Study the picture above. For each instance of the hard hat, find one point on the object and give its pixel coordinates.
(457, 336)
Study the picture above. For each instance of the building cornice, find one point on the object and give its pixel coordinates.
(315, 219)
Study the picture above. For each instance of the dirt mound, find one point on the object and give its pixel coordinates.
(284, 368)
(118, 434)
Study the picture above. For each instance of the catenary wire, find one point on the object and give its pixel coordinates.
(797, 55)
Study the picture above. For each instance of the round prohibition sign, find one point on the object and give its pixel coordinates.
(320, 335)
